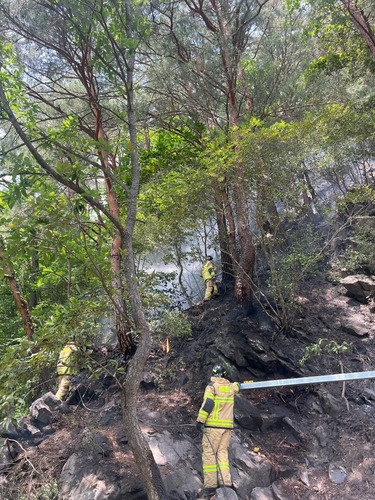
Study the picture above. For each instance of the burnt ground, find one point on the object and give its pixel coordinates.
(314, 435)
(331, 438)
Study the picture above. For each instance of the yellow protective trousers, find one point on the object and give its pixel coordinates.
(211, 289)
(215, 444)
(64, 386)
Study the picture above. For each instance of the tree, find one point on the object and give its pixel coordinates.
(361, 19)
(210, 41)
(100, 51)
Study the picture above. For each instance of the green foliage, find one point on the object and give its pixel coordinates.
(287, 270)
(358, 206)
(18, 377)
(360, 200)
(326, 347)
(167, 375)
(360, 258)
(175, 325)
(47, 491)
(162, 379)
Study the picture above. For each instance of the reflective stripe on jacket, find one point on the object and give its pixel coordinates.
(67, 363)
(218, 403)
(208, 270)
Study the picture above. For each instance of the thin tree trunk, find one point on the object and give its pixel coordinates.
(143, 456)
(20, 301)
(34, 298)
(225, 238)
(123, 324)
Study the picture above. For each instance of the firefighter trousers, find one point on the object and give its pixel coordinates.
(64, 386)
(215, 444)
(210, 289)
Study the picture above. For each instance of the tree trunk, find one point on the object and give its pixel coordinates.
(34, 297)
(226, 239)
(362, 23)
(20, 301)
(143, 456)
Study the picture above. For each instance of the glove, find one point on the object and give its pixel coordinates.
(200, 426)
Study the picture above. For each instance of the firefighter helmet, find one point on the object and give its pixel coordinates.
(219, 371)
(209, 257)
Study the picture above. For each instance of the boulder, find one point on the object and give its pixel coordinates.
(89, 478)
(249, 417)
(225, 494)
(9, 452)
(182, 483)
(262, 494)
(249, 469)
(359, 286)
(355, 327)
(40, 412)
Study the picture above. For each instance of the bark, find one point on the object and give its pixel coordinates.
(34, 297)
(123, 323)
(149, 471)
(20, 301)
(226, 238)
(362, 23)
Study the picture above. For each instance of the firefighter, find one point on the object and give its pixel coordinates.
(215, 420)
(66, 368)
(208, 273)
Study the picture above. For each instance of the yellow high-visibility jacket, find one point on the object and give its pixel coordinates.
(218, 403)
(67, 363)
(208, 270)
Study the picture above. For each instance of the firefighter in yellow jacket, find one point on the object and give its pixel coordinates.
(66, 368)
(208, 273)
(215, 419)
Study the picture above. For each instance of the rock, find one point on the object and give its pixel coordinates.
(87, 478)
(322, 436)
(249, 470)
(277, 489)
(225, 494)
(81, 394)
(249, 417)
(297, 432)
(181, 482)
(167, 450)
(180, 379)
(369, 393)
(9, 431)
(31, 431)
(359, 286)
(355, 328)
(95, 441)
(53, 403)
(331, 405)
(286, 471)
(262, 494)
(9, 452)
(304, 477)
(337, 474)
(148, 381)
(41, 413)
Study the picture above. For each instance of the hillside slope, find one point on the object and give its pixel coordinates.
(304, 442)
